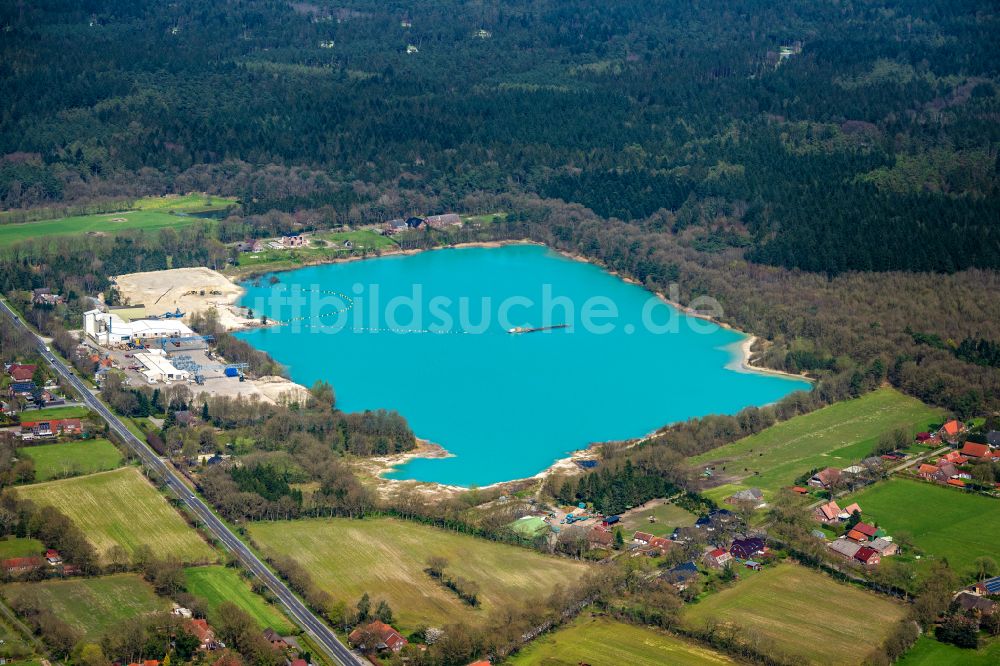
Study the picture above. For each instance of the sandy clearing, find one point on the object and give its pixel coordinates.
(165, 291)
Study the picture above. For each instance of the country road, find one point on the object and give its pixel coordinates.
(317, 630)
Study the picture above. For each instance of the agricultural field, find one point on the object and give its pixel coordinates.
(68, 412)
(122, 508)
(835, 436)
(13, 547)
(58, 461)
(600, 641)
(386, 557)
(216, 584)
(667, 515)
(92, 605)
(804, 613)
(943, 522)
(929, 652)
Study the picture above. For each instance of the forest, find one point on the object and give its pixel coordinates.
(829, 137)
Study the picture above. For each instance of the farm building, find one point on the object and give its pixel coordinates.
(745, 549)
(884, 546)
(828, 513)
(825, 478)
(868, 556)
(600, 538)
(968, 601)
(974, 450)
(845, 547)
(443, 221)
(988, 586)
(753, 496)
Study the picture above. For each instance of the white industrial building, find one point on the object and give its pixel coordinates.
(156, 367)
(107, 328)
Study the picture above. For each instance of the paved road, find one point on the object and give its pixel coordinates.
(320, 633)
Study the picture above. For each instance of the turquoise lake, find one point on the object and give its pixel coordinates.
(505, 405)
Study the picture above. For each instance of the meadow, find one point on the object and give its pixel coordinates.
(600, 641)
(13, 547)
(943, 522)
(216, 584)
(929, 652)
(803, 613)
(92, 605)
(58, 461)
(68, 412)
(835, 436)
(332, 248)
(386, 557)
(149, 214)
(122, 508)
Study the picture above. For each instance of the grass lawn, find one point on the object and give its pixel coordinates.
(600, 641)
(149, 214)
(57, 461)
(13, 547)
(804, 613)
(834, 436)
(668, 516)
(929, 652)
(274, 260)
(944, 522)
(121, 507)
(360, 239)
(70, 412)
(92, 605)
(386, 557)
(216, 584)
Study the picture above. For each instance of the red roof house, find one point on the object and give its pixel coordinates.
(718, 558)
(828, 512)
(18, 565)
(825, 478)
(958, 483)
(21, 373)
(866, 529)
(388, 638)
(868, 556)
(974, 450)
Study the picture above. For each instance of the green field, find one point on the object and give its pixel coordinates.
(944, 522)
(386, 557)
(600, 641)
(929, 652)
(668, 516)
(149, 214)
(122, 507)
(92, 605)
(13, 547)
(70, 412)
(804, 613)
(216, 584)
(57, 461)
(835, 436)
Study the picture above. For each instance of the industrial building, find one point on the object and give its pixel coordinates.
(156, 367)
(107, 328)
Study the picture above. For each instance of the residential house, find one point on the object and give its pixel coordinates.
(974, 450)
(414, 222)
(50, 428)
(951, 430)
(442, 221)
(968, 601)
(845, 547)
(752, 496)
(717, 558)
(851, 509)
(185, 418)
(885, 546)
(293, 240)
(988, 586)
(387, 637)
(825, 478)
(393, 227)
(926, 471)
(600, 538)
(993, 438)
(44, 296)
(954, 457)
(659, 545)
(828, 513)
(21, 565)
(276, 641)
(26, 389)
(681, 575)
(52, 557)
(945, 471)
(642, 538)
(868, 556)
(748, 548)
(21, 373)
(204, 633)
